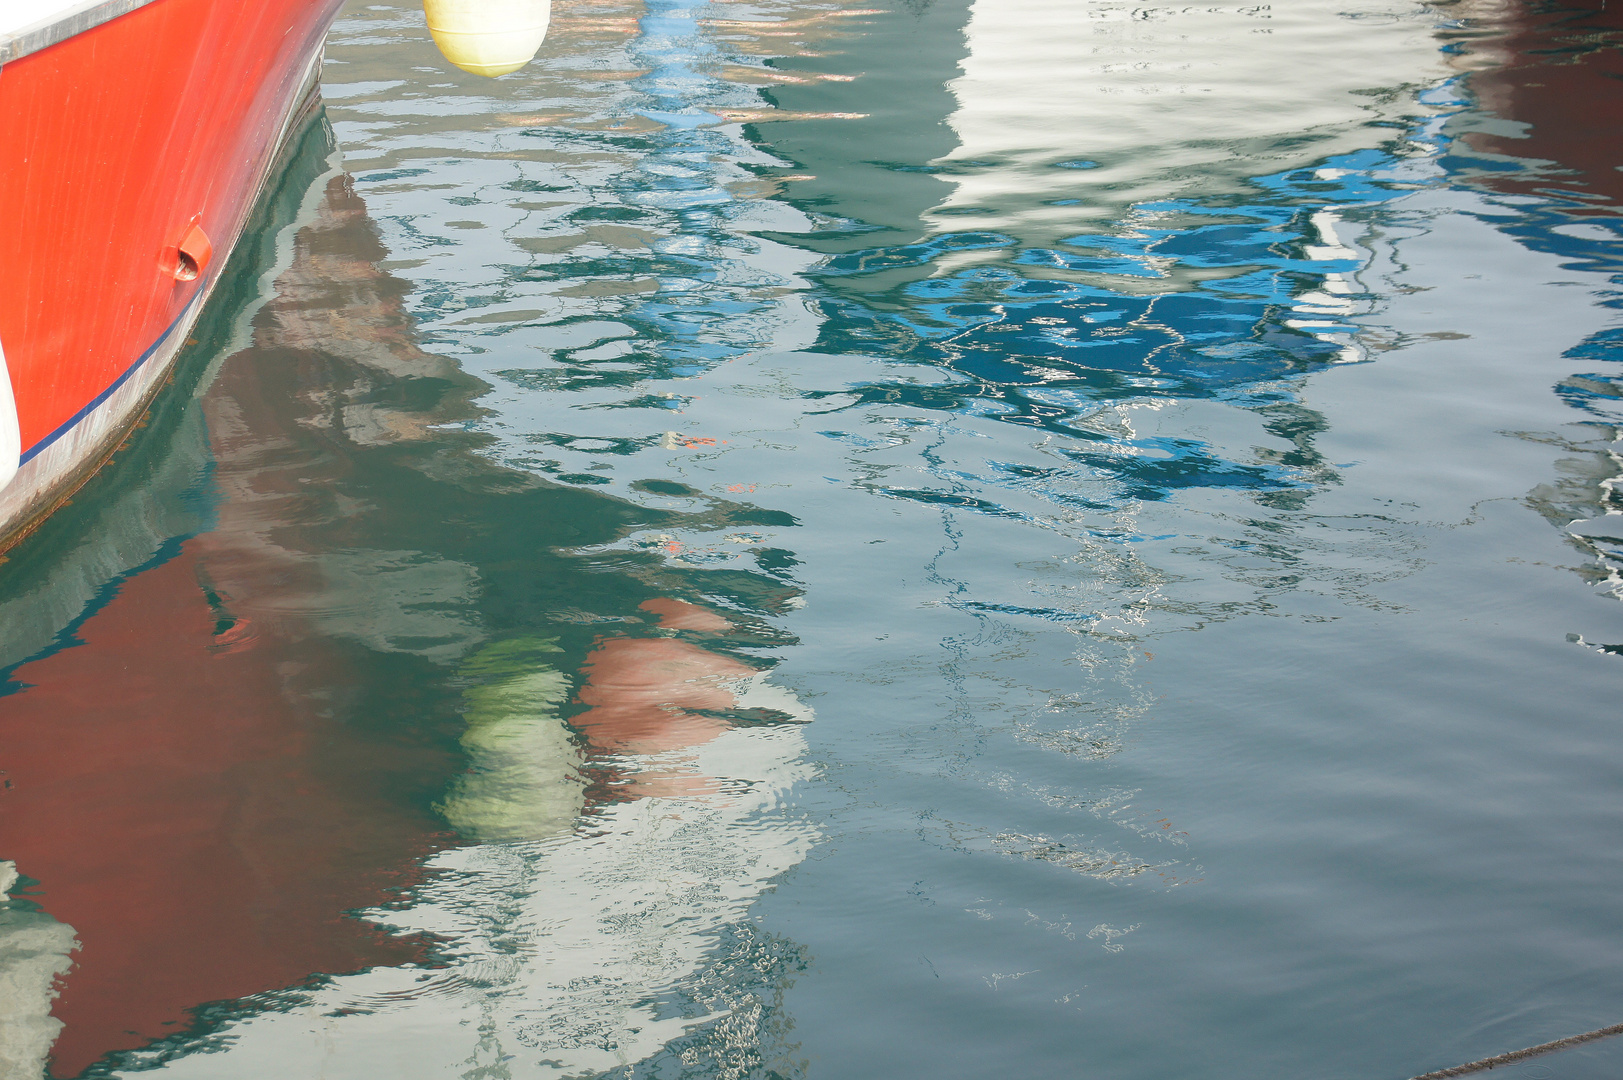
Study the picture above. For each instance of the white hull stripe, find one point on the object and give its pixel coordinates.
(10, 435)
(27, 26)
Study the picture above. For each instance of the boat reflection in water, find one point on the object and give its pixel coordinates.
(269, 687)
(1163, 103)
(1526, 67)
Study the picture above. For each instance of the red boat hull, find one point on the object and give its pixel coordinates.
(115, 145)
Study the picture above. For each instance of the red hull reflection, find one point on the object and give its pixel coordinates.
(1554, 68)
(184, 788)
(167, 796)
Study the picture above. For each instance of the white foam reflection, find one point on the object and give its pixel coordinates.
(1069, 115)
(35, 953)
(569, 956)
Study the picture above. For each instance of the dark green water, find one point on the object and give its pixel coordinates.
(938, 540)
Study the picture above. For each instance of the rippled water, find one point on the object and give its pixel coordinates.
(943, 539)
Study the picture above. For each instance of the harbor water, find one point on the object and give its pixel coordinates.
(802, 541)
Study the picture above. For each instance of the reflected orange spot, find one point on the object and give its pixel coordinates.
(643, 693)
(678, 615)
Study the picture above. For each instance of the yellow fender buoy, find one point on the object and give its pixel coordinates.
(488, 37)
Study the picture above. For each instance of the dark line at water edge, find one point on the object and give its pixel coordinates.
(1513, 1056)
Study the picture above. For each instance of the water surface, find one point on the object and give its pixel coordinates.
(935, 539)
